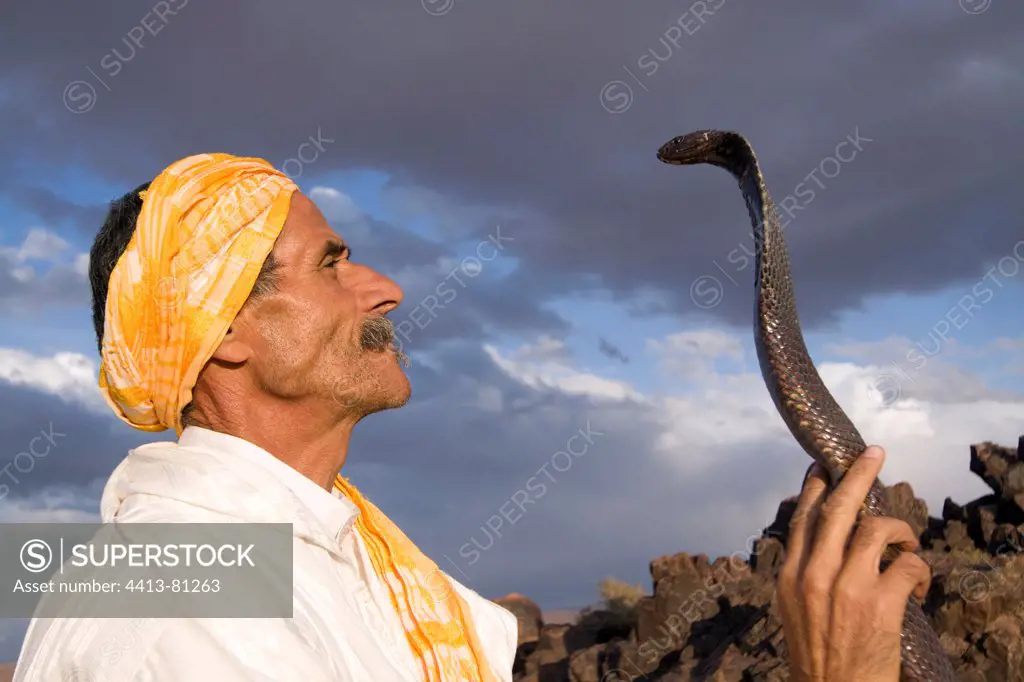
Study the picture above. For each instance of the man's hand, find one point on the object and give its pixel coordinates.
(841, 616)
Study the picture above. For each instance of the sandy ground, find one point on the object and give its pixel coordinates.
(6, 672)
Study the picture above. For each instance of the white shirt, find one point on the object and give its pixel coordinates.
(344, 628)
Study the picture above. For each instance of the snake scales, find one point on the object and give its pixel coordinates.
(813, 416)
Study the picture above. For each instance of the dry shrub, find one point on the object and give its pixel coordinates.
(620, 596)
(616, 614)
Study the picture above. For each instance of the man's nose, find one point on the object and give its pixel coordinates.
(382, 294)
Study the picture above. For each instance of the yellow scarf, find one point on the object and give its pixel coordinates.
(435, 617)
(207, 224)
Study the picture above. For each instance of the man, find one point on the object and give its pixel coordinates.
(228, 309)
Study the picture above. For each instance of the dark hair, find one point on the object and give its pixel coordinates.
(111, 243)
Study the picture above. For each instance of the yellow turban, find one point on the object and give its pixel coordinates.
(207, 224)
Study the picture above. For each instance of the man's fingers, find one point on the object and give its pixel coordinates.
(871, 538)
(839, 512)
(804, 651)
(908, 574)
(802, 523)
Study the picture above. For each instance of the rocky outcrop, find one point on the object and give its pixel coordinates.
(718, 620)
(527, 613)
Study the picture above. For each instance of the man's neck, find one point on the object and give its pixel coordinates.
(315, 448)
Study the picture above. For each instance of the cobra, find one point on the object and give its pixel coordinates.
(813, 416)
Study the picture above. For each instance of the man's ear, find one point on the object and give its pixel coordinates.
(232, 349)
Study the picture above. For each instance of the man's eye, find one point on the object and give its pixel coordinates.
(345, 256)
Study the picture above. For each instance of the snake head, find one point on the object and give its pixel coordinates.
(688, 149)
(724, 149)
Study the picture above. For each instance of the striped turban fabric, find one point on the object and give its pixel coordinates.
(207, 224)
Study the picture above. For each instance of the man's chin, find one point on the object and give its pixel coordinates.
(394, 383)
(401, 398)
(394, 396)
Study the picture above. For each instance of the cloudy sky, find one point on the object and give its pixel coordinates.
(619, 302)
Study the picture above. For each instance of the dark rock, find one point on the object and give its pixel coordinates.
(951, 511)
(1003, 645)
(903, 505)
(527, 613)
(767, 556)
(609, 663)
(994, 463)
(780, 526)
(987, 523)
(1014, 480)
(1006, 539)
(597, 627)
(934, 537)
(549, 660)
(957, 537)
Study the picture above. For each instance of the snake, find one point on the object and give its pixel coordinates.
(813, 416)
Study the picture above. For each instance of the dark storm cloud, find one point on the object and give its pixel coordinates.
(52, 443)
(56, 211)
(500, 105)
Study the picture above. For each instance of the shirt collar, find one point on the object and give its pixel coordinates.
(335, 512)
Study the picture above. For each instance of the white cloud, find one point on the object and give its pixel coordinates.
(340, 210)
(39, 244)
(542, 369)
(1004, 343)
(546, 349)
(46, 508)
(23, 273)
(729, 417)
(335, 204)
(69, 376)
(27, 287)
(928, 374)
(692, 354)
(81, 265)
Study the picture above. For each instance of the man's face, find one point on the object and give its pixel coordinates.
(321, 335)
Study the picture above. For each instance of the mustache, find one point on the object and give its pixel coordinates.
(377, 333)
